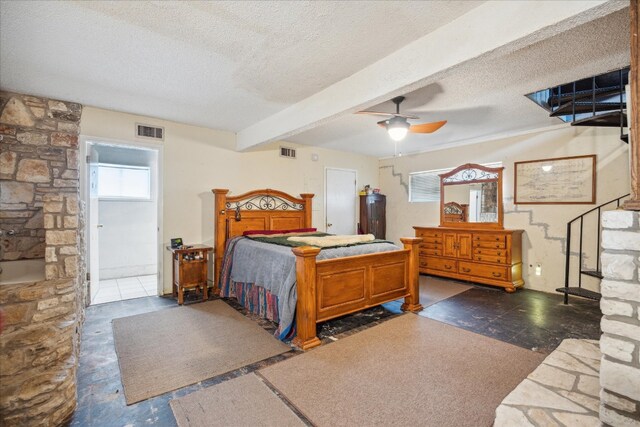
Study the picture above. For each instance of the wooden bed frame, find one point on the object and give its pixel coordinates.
(455, 212)
(327, 288)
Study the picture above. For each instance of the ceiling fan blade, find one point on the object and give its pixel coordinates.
(383, 123)
(378, 113)
(427, 127)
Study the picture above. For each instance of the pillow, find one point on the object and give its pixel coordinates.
(267, 232)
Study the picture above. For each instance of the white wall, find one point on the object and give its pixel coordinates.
(128, 238)
(198, 159)
(544, 225)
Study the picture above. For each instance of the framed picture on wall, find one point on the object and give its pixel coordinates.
(559, 181)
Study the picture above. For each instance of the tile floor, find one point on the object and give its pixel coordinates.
(126, 288)
(529, 319)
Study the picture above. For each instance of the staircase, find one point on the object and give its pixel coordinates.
(570, 287)
(594, 101)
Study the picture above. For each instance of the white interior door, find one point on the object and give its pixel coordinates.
(341, 197)
(94, 226)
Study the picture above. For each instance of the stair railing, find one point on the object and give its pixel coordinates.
(567, 270)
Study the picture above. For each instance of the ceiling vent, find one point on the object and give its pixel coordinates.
(289, 153)
(150, 132)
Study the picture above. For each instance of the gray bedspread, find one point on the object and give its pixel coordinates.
(273, 267)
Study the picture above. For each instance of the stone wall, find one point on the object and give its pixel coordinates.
(620, 305)
(39, 345)
(39, 156)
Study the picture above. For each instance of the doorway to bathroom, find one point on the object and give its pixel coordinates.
(123, 221)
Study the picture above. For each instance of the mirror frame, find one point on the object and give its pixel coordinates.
(489, 225)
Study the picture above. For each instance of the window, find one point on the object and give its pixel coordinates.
(425, 186)
(124, 182)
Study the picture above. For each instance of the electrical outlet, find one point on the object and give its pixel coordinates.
(538, 269)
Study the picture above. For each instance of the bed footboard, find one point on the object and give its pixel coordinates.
(335, 287)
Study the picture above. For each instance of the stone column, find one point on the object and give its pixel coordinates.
(620, 305)
(41, 218)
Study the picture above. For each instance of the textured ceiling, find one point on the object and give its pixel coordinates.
(229, 65)
(222, 65)
(485, 98)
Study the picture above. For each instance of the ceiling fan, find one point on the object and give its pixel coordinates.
(398, 126)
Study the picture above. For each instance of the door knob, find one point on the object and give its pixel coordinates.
(329, 225)
(99, 226)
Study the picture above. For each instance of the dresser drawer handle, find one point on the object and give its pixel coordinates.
(496, 274)
(499, 253)
(466, 270)
(448, 267)
(423, 264)
(479, 259)
(497, 246)
(497, 239)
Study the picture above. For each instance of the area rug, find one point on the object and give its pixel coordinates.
(409, 370)
(433, 289)
(242, 401)
(169, 349)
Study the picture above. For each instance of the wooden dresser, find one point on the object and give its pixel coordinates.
(491, 257)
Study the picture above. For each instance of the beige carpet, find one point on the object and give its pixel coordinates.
(434, 289)
(407, 371)
(242, 401)
(169, 349)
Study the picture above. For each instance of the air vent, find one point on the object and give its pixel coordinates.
(151, 132)
(289, 153)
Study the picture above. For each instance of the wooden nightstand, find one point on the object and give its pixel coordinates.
(190, 267)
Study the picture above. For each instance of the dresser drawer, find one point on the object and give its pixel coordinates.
(488, 244)
(489, 258)
(490, 252)
(430, 246)
(425, 252)
(429, 234)
(489, 238)
(442, 264)
(422, 262)
(483, 270)
(432, 240)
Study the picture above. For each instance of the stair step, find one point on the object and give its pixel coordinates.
(580, 292)
(583, 94)
(585, 107)
(592, 273)
(603, 120)
(625, 138)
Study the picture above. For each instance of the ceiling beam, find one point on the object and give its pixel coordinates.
(494, 28)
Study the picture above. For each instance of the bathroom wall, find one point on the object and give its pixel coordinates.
(129, 235)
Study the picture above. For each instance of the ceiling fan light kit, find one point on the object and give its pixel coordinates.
(397, 126)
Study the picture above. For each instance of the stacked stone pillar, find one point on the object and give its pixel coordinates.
(39, 205)
(620, 305)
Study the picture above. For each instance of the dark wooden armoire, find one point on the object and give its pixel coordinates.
(373, 218)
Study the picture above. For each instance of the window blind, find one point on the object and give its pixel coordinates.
(425, 186)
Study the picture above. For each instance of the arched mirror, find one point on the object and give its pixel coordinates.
(471, 196)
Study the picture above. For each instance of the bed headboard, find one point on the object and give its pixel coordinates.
(455, 212)
(264, 209)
